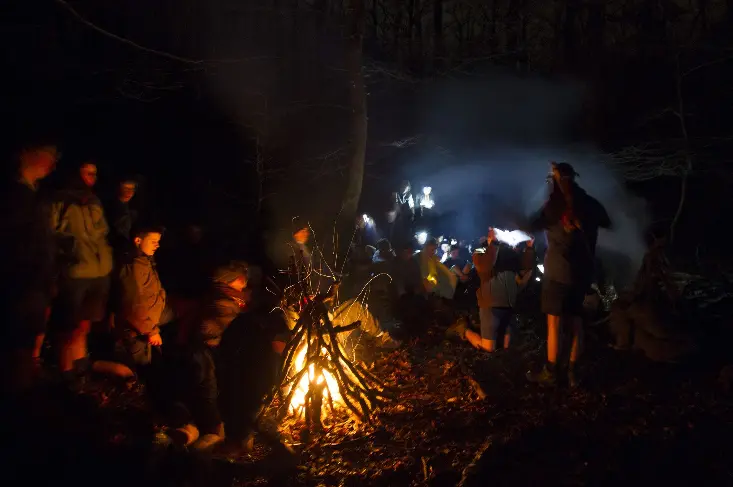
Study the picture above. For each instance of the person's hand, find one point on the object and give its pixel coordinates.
(155, 340)
(491, 236)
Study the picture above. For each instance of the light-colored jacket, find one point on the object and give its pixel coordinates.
(83, 223)
(443, 280)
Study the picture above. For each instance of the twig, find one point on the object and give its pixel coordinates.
(73, 12)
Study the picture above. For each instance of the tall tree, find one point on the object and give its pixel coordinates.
(358, 119)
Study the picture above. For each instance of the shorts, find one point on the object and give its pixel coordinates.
(496, 322)
(560, 299)
(83, 299)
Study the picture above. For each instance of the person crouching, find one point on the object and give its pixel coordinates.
(143, 303)
(228, 298)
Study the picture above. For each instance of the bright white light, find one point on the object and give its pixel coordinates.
(513, 238)
(422, 237)
(426, 201)
(541, 268)
(536, 278)
(368, 221)
(453, 241)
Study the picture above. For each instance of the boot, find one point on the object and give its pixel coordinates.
(545, 377)
(208, 441)
(184, 436)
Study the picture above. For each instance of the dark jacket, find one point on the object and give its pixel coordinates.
(143, 297)
(28, 248)
(121, 220)
(570, 256)
(222, 306)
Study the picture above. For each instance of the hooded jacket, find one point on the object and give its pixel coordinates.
(78, 221)
(221, 309)
(143, 296)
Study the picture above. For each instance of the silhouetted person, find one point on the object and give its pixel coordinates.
(402, 215)
(121, 217)
(571, 219)
(27, 273)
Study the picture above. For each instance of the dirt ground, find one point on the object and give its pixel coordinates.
(632, 423)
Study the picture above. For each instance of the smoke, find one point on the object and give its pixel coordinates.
(500, 134)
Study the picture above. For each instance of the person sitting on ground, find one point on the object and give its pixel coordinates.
(501, 282)
(81, 229)
(458, 266)
(384, 252)
(143, 303)
(436, 277)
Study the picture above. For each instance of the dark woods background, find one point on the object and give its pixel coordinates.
(241, 114)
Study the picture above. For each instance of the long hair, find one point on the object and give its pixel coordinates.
(562, 202)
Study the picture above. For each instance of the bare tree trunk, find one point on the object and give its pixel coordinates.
(358, 121)
(688, 157)
(572, 8)
(439, 47)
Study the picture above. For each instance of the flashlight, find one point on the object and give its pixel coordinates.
(422, 237)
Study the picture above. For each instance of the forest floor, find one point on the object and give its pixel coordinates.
(633, 422)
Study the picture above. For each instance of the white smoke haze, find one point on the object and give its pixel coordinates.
(502, 132)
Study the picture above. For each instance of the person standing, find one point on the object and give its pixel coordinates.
(122, 218)
(571, 219)
(28, 271)
(81, 228)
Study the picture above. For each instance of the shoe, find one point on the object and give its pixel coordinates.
(185, 435)
(207, 442)
(544, 378)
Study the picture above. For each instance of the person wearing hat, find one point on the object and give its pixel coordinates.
(226, 301)
(571, 219)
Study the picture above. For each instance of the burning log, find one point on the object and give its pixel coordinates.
(317, 377)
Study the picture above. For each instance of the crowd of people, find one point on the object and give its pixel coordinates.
(74, 265)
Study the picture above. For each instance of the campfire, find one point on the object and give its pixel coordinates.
(317, 379)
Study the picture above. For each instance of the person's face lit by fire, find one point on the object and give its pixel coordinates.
(239, 283)
(88, 173)
(148, 243)
(36, 164)
(301, 236)
(454, 253)
(127, 191)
